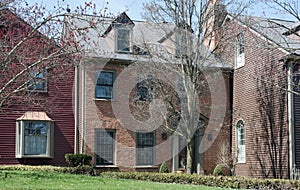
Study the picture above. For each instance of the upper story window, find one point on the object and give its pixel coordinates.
(34, 135)
(123, 39)
(240, 51)
(145, 88)
(38, 81)
(241, 149)
(105, 85)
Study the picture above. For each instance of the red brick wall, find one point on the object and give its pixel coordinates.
(261, 65)
(99, 114)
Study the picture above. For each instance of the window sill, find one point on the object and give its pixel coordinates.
(34, 156)
(106, 166)
(239, 67)
(146, 166)
(105, 100)
(123, 52)
(38, 91)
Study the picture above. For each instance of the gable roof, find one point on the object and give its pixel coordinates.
(142, 32)
(280, 32)
(100, 44)
(123, 18)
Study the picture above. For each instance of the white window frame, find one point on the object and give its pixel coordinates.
(120, 29)
(240, 51)
(20, 140)
(33, 81)
(153, 149)
(113, 147)
(113, 85)
(241, 143)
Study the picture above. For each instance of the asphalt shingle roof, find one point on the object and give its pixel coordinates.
(275, 30)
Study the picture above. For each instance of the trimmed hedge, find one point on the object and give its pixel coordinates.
(217, 181)
(72, 170)
(163, 168)
(207, 180)
(78, 159)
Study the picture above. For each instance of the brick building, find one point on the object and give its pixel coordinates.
(264, 55)
(117, 95)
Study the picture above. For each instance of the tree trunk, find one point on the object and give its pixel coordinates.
(190, 157)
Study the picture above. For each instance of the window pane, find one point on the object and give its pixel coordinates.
(104, 86)
(123, 34)
(123, 38)
(145, 143)
(38, 81)
(240, 41)
(241, 141)
(35, 138)
(104, 147)
(104, 92)
(145, 88)
(105, 78)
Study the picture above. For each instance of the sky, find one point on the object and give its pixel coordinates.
(134, 8)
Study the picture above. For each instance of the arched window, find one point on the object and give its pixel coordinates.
(241, 149)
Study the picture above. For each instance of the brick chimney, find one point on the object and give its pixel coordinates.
(214, 16)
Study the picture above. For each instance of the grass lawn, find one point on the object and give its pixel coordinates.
(52, 180)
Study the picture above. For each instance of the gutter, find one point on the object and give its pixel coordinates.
(82, 108)
(76, 109)
(291, 119)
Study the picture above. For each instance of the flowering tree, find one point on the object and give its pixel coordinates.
(32, 44)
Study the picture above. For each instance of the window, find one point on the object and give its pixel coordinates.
(104, 146)
(123, 40)
(145, 88)
(240, 51)
(240, 39)
(241, 150)
(34, 136)
(38, 81)
(145, 148)
(104, 85)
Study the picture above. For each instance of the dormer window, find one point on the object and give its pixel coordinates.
(123, 39)
(123, 27)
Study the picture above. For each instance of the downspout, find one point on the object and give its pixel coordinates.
(83, 108)
(76, 109)
(291, 118)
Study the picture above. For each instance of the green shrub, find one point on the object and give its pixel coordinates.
(163, 168)
(72, 170)
(236, 182)
(78, 159)
(207, 180)
(218, 170)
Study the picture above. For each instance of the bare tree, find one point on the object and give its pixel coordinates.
(197, 26)
(225, 157)
(31, 43)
